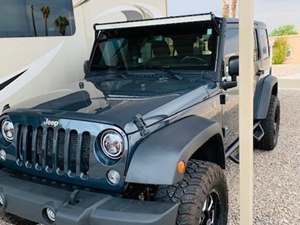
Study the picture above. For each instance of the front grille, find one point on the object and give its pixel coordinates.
(54, 150)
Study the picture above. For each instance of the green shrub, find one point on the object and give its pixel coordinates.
(284, 30)
(280, 51)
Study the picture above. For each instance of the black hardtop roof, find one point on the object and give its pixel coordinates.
(236, 21)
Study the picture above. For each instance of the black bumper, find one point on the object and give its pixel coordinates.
(29, 200)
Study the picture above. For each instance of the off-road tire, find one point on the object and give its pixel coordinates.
(270, 126)
(200, 180)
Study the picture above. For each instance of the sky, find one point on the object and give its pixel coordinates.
(273, 12)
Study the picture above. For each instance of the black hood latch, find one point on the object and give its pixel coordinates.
(141, 125)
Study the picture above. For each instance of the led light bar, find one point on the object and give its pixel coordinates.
(155, 22)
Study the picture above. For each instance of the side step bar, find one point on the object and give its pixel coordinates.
(233, 151)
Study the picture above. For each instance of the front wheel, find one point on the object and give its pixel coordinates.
(202, 195)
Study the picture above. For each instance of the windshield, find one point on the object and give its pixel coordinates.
(180, 46)
(155, 60)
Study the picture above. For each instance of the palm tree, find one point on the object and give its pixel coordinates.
(61, 23)
(225, 8)
(46, 12)
(33, 21)
(233, 7)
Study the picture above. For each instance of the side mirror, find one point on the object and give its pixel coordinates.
(233, 66)
(86, 67)
(228, 84)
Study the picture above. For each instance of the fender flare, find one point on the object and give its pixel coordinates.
(262, 97)
(155, 159)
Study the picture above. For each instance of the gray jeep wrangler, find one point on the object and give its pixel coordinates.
(144, 137)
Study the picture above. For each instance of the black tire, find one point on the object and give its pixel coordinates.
(202, 182)
(270, 126)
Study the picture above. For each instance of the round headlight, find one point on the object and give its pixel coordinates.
(112, 144)
(8, 130)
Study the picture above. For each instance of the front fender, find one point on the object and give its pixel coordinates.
(155, 159)
(263, 95)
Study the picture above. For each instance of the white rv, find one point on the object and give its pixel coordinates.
(43, 43)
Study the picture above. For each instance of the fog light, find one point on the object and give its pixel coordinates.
(2, 155)
(50, 214)
(113, 177)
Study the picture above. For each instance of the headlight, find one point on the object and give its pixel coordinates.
(112, 144)
(8, 130)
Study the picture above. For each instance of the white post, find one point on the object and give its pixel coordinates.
(167, 7)
(246, 78)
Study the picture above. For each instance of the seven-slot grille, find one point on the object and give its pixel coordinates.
(54, 150)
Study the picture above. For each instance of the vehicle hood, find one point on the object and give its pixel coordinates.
(84, 101)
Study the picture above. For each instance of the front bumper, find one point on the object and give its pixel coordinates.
(29, 200)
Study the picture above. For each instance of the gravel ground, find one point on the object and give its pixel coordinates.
(277, 183)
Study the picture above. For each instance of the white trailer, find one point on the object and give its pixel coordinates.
(37, 64)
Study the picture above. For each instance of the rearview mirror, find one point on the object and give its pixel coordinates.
(233, 66)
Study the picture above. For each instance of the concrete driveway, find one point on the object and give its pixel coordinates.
(288, 75)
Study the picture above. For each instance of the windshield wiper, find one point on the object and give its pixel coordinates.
(117, 70)
(173, 74)
(168, 71)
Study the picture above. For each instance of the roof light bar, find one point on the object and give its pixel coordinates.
(155, 22)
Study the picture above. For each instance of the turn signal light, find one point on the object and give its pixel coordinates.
(181, 167)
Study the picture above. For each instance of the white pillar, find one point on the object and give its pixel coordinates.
(246, 78)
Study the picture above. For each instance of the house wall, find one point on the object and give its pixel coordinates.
(52, 63)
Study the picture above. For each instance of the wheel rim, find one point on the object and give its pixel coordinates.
(210, 210)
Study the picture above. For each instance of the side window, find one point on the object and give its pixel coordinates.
(263, 43)
(231, 42)
(36, 18)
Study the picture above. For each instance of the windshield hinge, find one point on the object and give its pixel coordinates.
(141, 125)
(6, 107)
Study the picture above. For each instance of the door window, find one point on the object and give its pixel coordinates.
(232, 43)
(263, 43)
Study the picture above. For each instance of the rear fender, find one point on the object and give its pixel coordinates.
(264, 90)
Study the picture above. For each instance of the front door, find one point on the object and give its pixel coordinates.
(231, 106)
